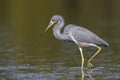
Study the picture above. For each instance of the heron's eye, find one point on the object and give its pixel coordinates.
(54, 20)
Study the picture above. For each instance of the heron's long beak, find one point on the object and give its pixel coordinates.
(51, 24)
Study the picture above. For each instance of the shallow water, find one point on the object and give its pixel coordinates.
(31, 61)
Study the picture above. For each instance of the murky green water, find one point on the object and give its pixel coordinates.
(25, 54)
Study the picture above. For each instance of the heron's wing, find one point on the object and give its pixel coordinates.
(81, 34)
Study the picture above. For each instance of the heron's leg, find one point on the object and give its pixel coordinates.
(82, 57)
(82, 64)
(89, 61)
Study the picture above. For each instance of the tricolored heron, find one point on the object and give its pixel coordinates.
(77, 34)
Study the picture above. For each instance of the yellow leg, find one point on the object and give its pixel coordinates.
(82, 64)
(81, 55)
(89, 61)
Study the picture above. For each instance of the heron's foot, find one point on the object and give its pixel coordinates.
(89, 65)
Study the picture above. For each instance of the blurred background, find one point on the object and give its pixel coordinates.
(26, 54)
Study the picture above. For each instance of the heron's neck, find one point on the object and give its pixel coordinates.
(57, 31)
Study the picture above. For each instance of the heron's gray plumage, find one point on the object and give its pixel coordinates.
(79, 33)
(84, 35)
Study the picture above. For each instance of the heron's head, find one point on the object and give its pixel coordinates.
(54, 20)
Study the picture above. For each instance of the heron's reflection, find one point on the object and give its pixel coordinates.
(83, 74)
(87, 74)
